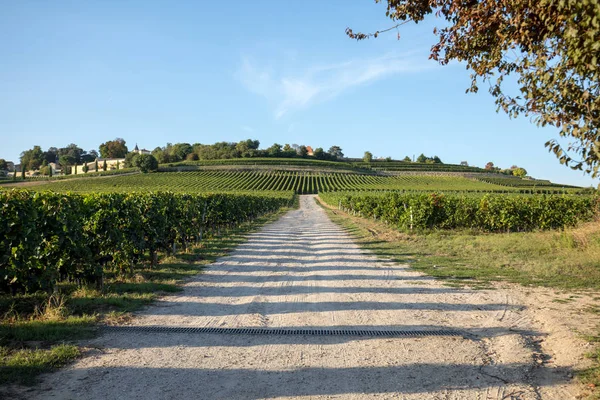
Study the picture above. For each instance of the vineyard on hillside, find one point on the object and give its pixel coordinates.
(376, 165)
(298, 182)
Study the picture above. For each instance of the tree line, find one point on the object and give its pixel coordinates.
(244, 149)
(36, 159)
(514, 170)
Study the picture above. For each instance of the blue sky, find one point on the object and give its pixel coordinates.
(154, 72)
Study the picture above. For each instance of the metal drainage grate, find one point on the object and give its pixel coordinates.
(275, 331)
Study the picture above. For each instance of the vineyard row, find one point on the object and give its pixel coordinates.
(488, 212)
(49, 237)
(298, 182)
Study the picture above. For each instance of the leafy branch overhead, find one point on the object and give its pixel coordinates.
(551, 47)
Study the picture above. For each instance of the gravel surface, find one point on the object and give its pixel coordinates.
(303, 271)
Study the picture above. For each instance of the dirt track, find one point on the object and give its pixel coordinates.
(304, 271)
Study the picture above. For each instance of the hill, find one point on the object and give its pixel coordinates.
(303, 176)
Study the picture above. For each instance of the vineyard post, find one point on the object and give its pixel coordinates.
(203, 219)
(411, 218)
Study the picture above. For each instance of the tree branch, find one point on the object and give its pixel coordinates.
(363, 36)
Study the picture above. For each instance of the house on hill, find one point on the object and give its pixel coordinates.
(310, 151)
(136, 149)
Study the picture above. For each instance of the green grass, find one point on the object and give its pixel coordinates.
(35, 327)
(591, 376)
(567, 260)
(23, 365)
(69, 328)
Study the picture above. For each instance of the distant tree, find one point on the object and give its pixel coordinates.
(388, 159)
(489, 166)
(421, 158)
(46, 170)
(407, 159)
(104, 166)
(437, 160)
(3, 164)
(88, 157)
(65, 161)
(520, 172)
(73, 151)
(32, 159)
(113, 149)
(118, 165)
(275, 150)
(288, 151)
(192, 157)
(302, 151)
(129, 160)
(160, 153)
(146, 163)
(368, 157)
(318, 153)
(180, 151)
(22, 172)
(247, 148)
(96, 165)
(85, 168)
(51, 155)
(336, 152)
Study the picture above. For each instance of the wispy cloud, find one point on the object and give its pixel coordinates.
(289, 92)
(248, 129)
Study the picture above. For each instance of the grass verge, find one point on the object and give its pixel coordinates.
(568, 259)
(39, 332)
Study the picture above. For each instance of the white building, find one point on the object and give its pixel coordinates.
(141, 151)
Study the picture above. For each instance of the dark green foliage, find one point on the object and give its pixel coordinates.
(130, 159)
(302, 151)
(113, 149)
(32, 159)
(49, 237)
(336, 152)
(146, 163)
(493, 213)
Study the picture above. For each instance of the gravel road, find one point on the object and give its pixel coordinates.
(303, 271)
